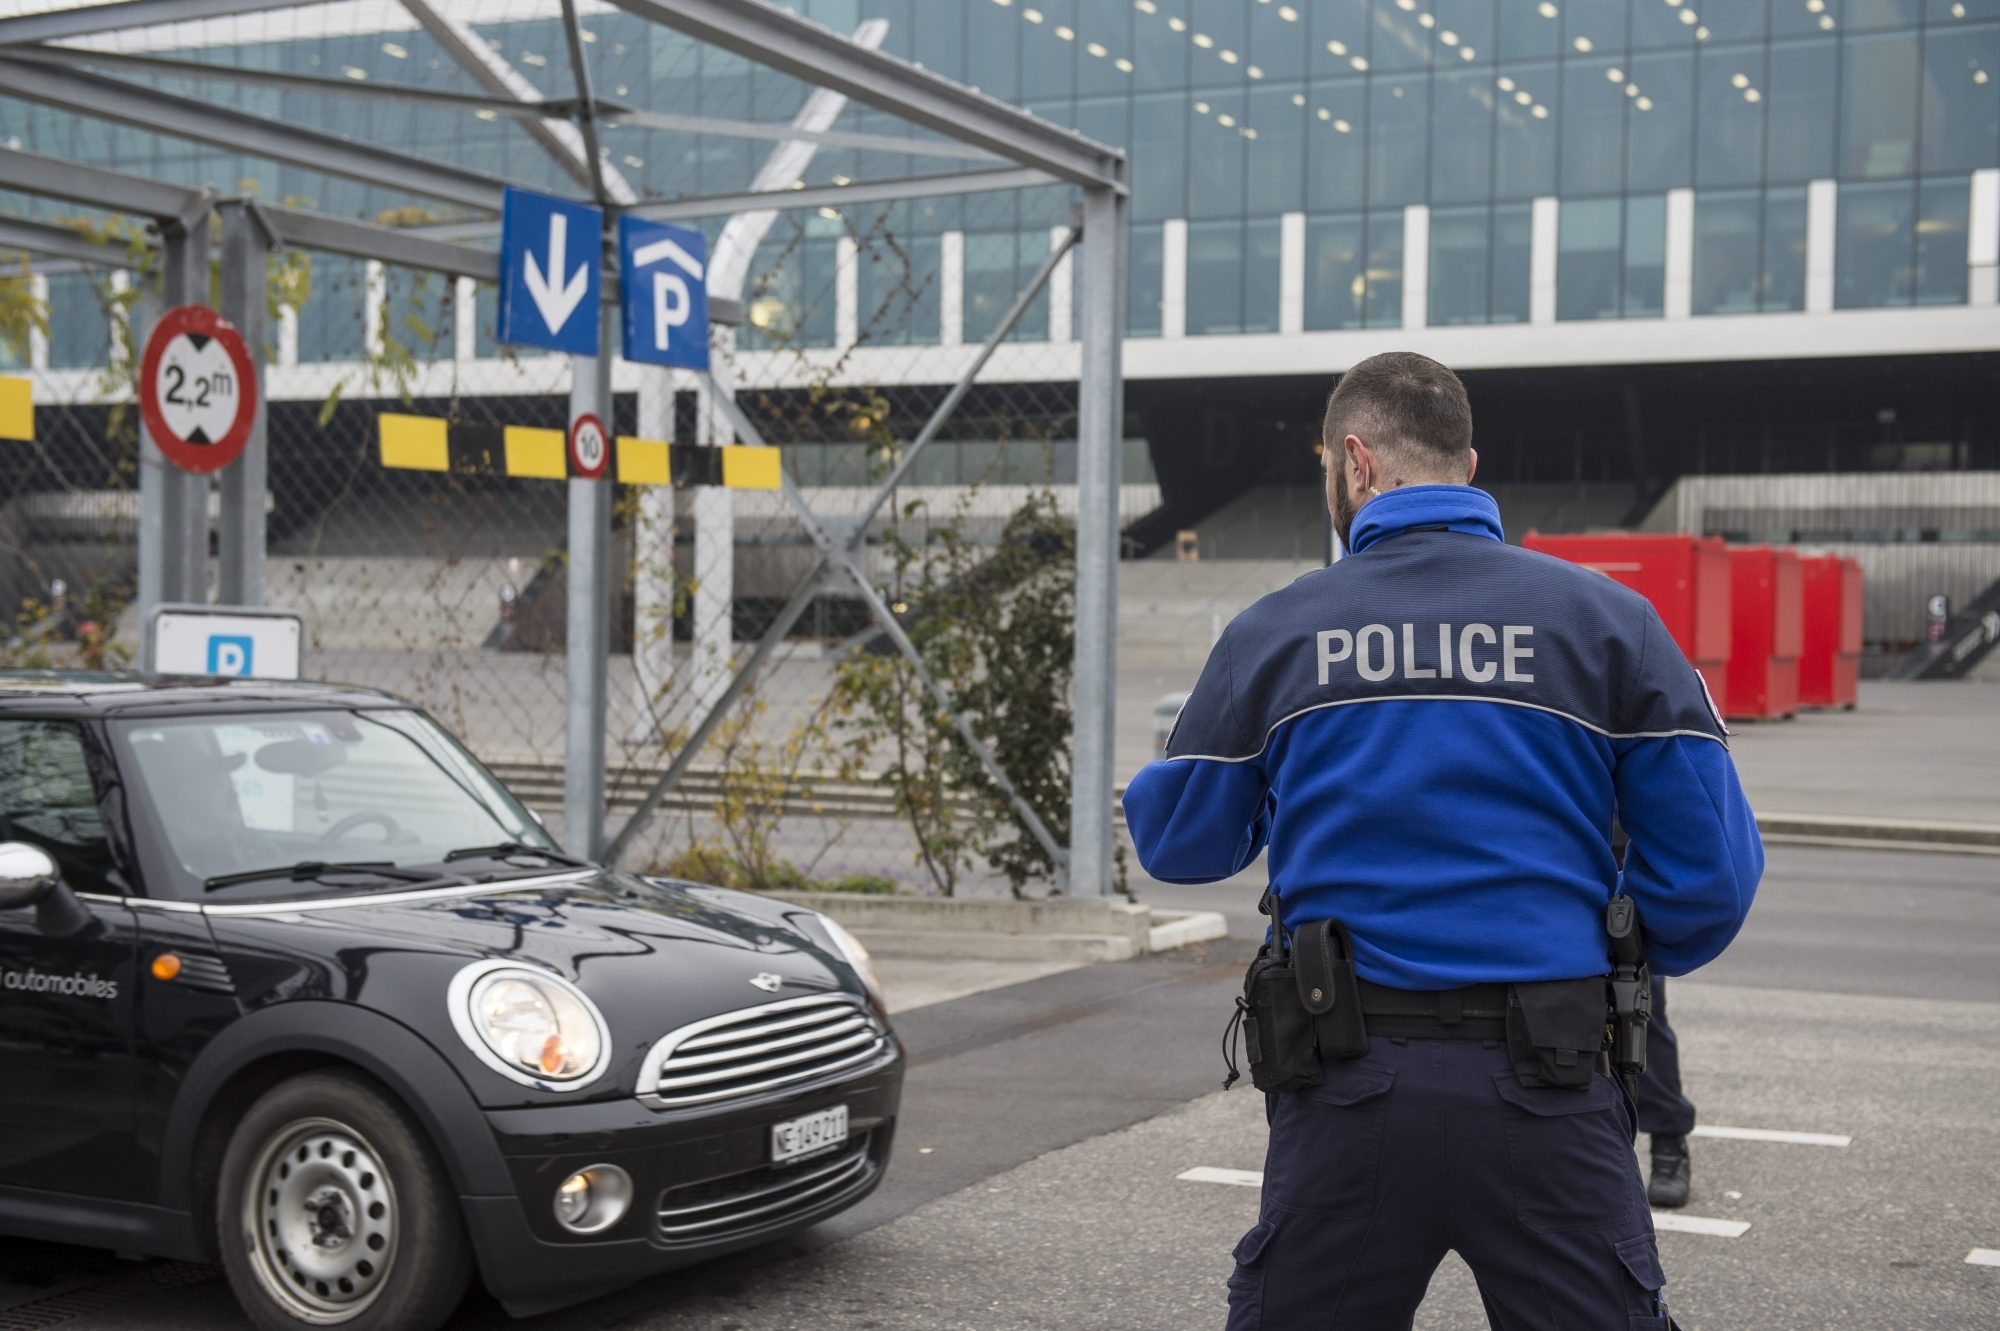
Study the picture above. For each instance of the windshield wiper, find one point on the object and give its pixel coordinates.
(306, 871)
(506, 848)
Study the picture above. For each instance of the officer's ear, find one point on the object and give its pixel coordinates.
(1471, 464)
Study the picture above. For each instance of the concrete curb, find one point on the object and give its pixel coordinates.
(1003, 929)
(1815, 829)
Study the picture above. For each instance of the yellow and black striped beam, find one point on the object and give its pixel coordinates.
(431, 443)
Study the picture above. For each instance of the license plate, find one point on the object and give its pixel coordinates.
(816, 1131)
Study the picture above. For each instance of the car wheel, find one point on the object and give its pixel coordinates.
(334, 1211)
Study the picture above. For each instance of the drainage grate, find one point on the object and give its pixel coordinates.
(105, 1294)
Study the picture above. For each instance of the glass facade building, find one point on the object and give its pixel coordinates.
(1295, 165)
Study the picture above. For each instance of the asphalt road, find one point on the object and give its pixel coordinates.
(1863, 998)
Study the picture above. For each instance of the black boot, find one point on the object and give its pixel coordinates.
(1671, 1171)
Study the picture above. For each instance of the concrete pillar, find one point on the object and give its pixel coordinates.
(1822, 209)
(38, 340)
(951, 289)
(288, 337)
(1982, 239)
(1062, 293)
(1416, 265)
(465, 320)
(1292, 273)
(846, 292)
(1680, 253)
(653, 566)
(1173, 278)
(1544, 231)
(374, 300)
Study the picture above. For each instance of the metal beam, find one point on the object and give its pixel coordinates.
(308, 83)
(559, 139)
(62, 243)
(770, 36)
(832, 138)
(94, 187)
(365, 240)
(224, 127)
(862, 191)
(89, 20)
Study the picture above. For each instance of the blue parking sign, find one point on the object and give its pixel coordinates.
(549, 261)
(663, 273)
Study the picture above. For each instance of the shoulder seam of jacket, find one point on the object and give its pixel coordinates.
(1441, 697)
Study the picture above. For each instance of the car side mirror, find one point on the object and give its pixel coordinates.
(29, 877)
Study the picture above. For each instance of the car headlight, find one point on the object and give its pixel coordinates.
(529, 1026)
(856, 955)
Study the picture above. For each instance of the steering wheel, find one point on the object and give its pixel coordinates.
(391, 829)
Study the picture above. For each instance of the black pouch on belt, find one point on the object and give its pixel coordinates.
(1323, 956)
(1277, 1030)
(1555, 1029)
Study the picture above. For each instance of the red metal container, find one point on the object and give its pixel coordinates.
(1685, 577)
(1767, 627)
(1830, 646)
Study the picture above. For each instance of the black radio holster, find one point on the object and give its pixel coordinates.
(1301, 1003)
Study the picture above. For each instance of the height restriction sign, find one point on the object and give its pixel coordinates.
(197, 388)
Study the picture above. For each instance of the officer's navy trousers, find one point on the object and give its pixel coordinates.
(1662, 1106)
(1421, 1147)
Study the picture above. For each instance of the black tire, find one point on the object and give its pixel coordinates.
(333, 1210)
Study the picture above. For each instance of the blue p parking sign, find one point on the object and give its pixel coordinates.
(663, 273)
(231, 655)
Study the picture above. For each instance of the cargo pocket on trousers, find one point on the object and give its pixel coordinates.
(1246, 1282)
(1641, 1259)
(1571, 1163)
(1326, 1143)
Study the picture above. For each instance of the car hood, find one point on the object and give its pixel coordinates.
(652, 954)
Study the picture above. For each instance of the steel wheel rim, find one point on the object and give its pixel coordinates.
(320, 1217)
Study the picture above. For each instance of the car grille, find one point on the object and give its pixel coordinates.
(720, 1208)
(760, 1049)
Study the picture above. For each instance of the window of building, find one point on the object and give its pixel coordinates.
(1878, 106)
(1902, 242)
(1144, 267)
(1214, 277)
(1513, 243)
(1961, 98)
(1336, 281)
(1730, 106)
(1383, 302)
(896, 284)
(1784, 280)
(1611, 258)
(1728, 251)
(1461, 270)
(79, 331)
(330, 326)
(1804, 82)
(1524, 130)
(1336, 146)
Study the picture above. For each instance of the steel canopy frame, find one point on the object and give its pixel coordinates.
(106, 98)
(1042, 153)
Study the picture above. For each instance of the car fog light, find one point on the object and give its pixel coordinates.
(593, 1199)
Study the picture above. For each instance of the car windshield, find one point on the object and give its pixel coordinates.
(229, 797)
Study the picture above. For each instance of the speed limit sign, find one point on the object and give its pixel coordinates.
(589, 447)
(197, 389)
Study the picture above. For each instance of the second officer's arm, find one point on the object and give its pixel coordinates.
(1196, 818)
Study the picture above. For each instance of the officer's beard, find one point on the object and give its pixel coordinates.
(1343, 512)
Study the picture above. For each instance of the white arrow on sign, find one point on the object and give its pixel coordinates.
(556, 303)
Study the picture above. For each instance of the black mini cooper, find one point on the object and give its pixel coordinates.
(290, 982)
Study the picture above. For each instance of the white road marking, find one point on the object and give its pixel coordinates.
(1773, 1135)
(1242, 1178)
(1984, 1257)
(1698, 1224)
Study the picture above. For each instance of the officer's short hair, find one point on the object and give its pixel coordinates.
(1406, 406)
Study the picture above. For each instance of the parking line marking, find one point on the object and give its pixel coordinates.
(1773, 1135)
(1984, 1257)
(1242, 1178)
(1699, 1224)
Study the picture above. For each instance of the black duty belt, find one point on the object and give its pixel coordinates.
(1476, 1012)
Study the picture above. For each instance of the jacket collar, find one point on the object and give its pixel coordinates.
(1461, 508)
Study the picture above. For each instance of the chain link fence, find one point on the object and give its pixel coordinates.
(836, 765)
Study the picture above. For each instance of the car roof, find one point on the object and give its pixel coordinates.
(107, 693)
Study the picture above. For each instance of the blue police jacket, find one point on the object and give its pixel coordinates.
(1434, 736)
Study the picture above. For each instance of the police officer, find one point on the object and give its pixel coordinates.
(1433, 737)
